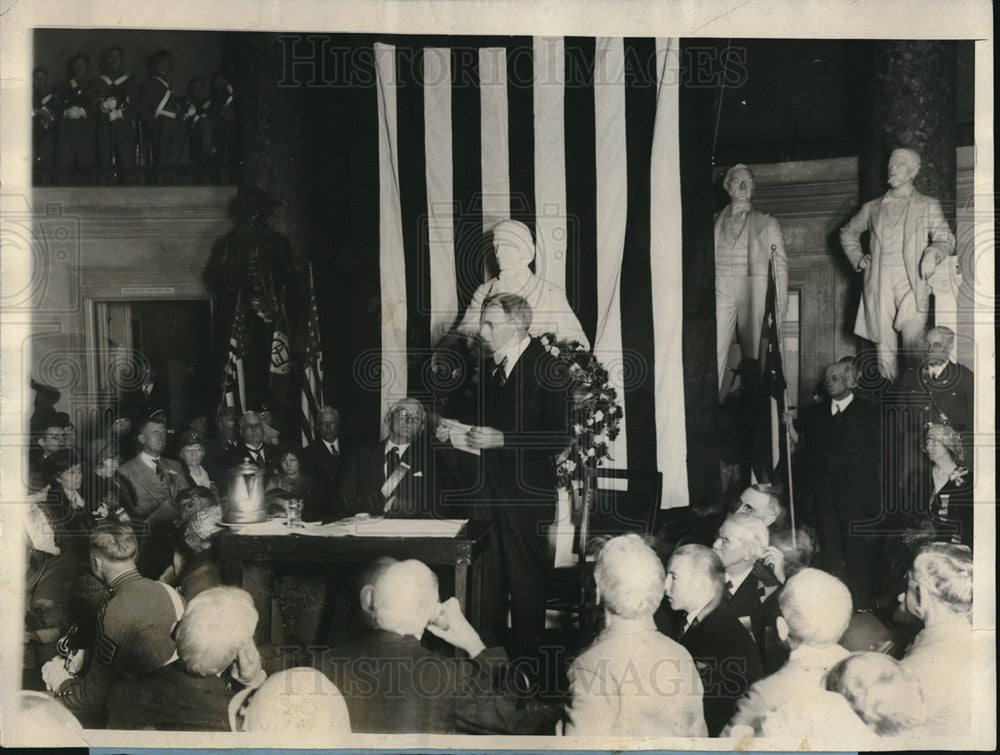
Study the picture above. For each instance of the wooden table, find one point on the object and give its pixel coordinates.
(248, 561)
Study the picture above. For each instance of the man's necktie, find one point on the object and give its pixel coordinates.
(391, 461)
(692, 624)
(500, 373)
(836, 409)
(258, 457)
(161, 474)
(729, 587)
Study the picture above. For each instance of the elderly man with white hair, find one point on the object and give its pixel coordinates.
(944, 387)
(393, 684)
(763, 502)
(515, 250)
(815, 611)
(742, 541)
(299, 701)
(939, 593)
(216, 654)
(633, 681)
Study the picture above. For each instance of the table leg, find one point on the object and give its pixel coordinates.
(462, 588)
(257, 582)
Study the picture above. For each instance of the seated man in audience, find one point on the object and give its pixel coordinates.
(251, 446)
(227, 436)
(939, 593)
(133, 628)
(722, 648)
(324, 460)
(49, 439)
(741, 543)
(155, 480)
(299, 701)
(815, 610)
(763, 502)
(393, 684)
(215, 653)
(633, 681)
(392, 477)
(881, 692)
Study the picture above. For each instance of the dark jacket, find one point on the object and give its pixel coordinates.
(393, 684)
(170, 699)
(727, 660)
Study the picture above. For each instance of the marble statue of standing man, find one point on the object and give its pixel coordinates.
(744, 240)
(909, 237)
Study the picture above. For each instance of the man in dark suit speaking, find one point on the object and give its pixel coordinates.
(519, 424)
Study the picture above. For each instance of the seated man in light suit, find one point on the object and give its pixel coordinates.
(391, 477)
(155, 480)
(633, 681)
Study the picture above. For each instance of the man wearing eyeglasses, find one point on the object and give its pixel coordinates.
(392, 477)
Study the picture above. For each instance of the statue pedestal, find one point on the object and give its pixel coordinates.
(944, 285)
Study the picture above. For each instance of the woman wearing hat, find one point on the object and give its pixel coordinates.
(948, 516)
(108, 493)
(71, 517)
(197, 471)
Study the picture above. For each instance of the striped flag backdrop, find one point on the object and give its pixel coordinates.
(312, 370)
(578, 139)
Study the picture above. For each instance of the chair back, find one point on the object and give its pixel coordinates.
(615, 502)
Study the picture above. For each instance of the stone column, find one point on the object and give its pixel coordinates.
(273, 123)
(911, 103)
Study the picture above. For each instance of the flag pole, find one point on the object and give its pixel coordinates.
(788, 438)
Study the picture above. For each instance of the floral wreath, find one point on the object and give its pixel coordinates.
(595, 415)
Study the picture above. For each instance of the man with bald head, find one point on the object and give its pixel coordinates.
(251, 445)
(393, 684)
(845, 452)
(944, 387)
(908, 238)
(393, 477)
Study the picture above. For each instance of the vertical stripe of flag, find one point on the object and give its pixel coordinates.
(233, 385)
(392, 262)
(440, 199)
(581, 183)
(665, 264)
(548, 95)
(612, 209)
(495, 155)
(521, 131)
(312, 369)
(362, 412)
(413, 211)
(468, 173)
(638, 356)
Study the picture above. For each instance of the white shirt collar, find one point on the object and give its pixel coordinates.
(738, 579)
(935, 370)
(842, 403)
(149, 461)
(335, 446)
(689, 620)
(401, 446)
(512, 352)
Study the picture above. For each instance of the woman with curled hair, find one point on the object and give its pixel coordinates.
(292, 483)
(880, 691)
(216, 659)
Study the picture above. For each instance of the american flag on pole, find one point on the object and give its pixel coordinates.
(769, 440)
(312, 369)
(233, 385)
